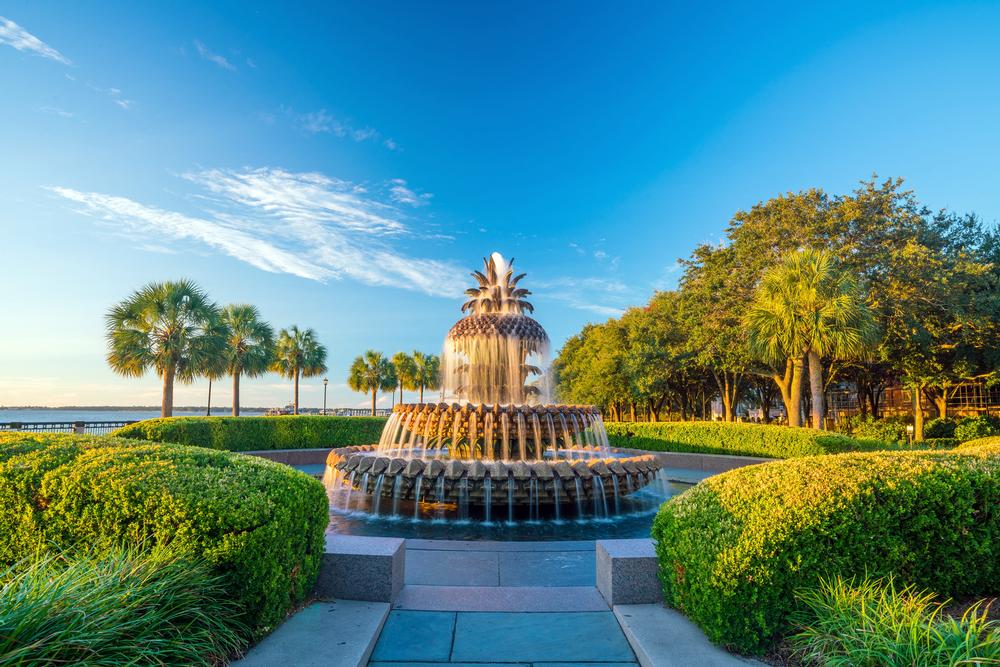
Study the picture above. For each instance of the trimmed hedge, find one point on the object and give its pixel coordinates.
(245, 434)
(769, 441)
(259, 524)
(735, 548)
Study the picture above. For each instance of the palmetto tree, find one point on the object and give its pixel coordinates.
(807, 308)
(403, 364)
(297, 354)
(426, 372)
(371, 373)
(172, 327)
(249, 346)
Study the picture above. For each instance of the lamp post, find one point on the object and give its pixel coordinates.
(325, 382)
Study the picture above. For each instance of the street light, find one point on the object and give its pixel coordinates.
(325, 382)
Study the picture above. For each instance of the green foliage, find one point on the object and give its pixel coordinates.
(733, 549)
(972, 428)
(257, 523)
(888, 430)
(248, 434)
(872, 623)
(940, 427)
(764, 440)
(121, 607)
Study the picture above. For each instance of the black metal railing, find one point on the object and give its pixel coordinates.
(83, 427)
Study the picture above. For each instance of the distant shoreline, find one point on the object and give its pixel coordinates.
(125, 408)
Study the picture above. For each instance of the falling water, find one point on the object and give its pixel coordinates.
(556, 483)
(364, 490)
(510, 498)
(397, 486)
(579, 498)
(377, 492)
(488, 497)
(463, 499)
(350, 491)
(614, 482)
(600, 500)
(417, 487)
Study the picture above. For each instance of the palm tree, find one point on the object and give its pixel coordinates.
(403, 364)
(372, 373)
(426, 372)
(172, 327)
(249, 346)
(298, 354)
(807, 308)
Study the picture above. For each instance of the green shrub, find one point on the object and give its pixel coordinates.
(258, 523)
(734, 548)
(936, 443)
(728, 438)
(245, 434)
(940, 427)
(872, 623)
(971, 428)
(890, 430)
(124, 607)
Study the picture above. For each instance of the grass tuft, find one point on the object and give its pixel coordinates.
(872, 623)
(119, 607)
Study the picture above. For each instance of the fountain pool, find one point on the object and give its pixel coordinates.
(495, 458)
(355, 513)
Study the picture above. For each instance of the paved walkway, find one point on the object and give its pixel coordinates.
(501, 603)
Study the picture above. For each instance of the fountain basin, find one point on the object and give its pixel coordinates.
(541, 482)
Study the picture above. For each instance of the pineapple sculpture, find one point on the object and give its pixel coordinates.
(488, 353)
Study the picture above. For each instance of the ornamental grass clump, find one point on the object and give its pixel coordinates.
(874, 623)
(118, 607)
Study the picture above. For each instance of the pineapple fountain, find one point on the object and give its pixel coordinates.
(496, 442)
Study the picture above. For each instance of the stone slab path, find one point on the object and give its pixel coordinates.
(663, 637)
(501, 603)
(484, 638)
(323, 634)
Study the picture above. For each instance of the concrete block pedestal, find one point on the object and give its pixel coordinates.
(361, 568)
(626, 572)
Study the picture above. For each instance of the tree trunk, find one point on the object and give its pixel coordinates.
(167, 402)
(795, 393)
(918, 415)
(816, 388)
(236, 394)
(374, 396)
(295, 403)
(785, 382)
(421, 394)
(208, 412)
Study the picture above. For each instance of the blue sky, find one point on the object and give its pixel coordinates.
(345, 166)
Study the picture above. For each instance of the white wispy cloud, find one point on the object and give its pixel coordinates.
(400, 192)
(213, 57)
(305, 224)
(14, 35)
(323, 122)
(114, 93)
(601, 296)
(56, 111)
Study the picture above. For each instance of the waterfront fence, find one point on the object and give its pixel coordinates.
(79, 427)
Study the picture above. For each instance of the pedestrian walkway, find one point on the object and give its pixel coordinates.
(456, 638)
(501, 603)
